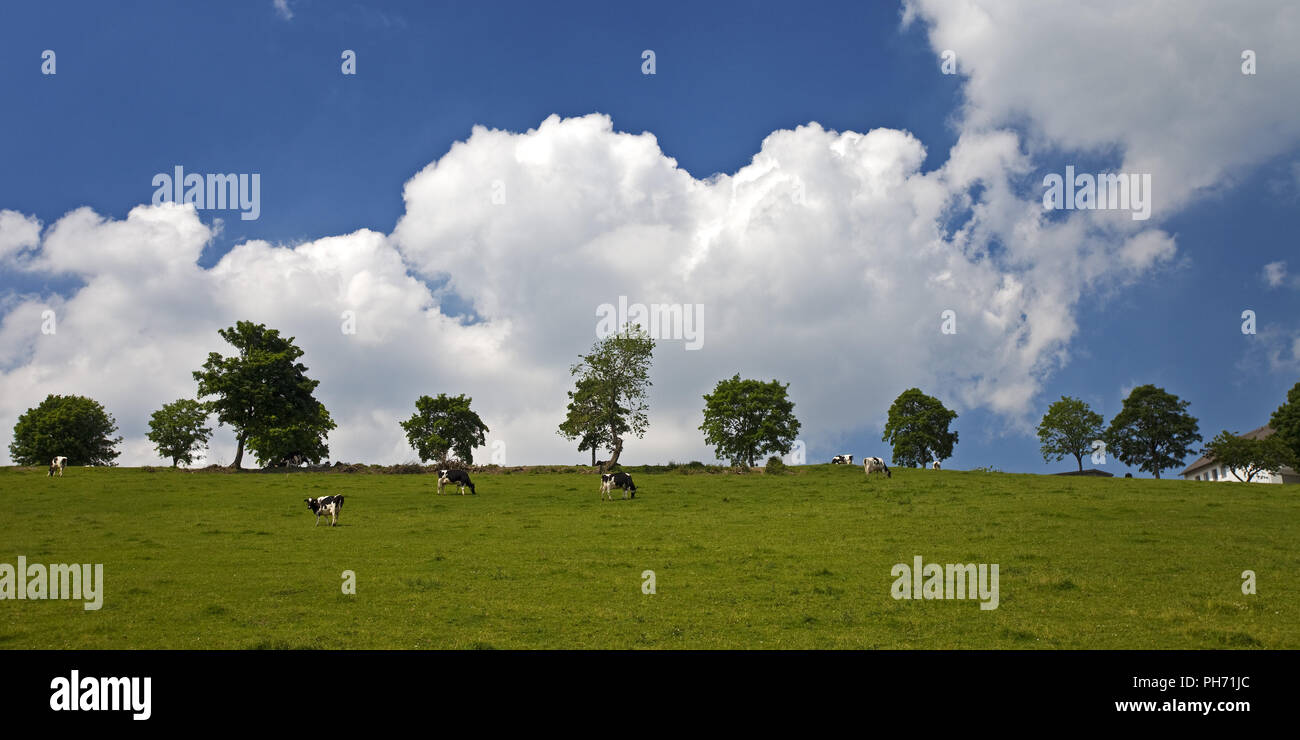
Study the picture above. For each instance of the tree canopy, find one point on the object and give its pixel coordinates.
(610, 396)
(1069, 428)
(178, 432)
(445, 424)
(1153, 431)
(917, 428)
(1286, 421)
(264, 394)
(745, 419)
(74, 427)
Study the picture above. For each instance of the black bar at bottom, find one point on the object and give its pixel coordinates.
(966, 688)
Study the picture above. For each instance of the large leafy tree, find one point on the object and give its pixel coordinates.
(1286, 421)
(585, 421)
(264, 394)
(1249, 457)
(1069, 428)
(613, 385)
(445, 424)
(745, 419)
(917, 428)
(178, 432)
(74, 427)
(1153, 431)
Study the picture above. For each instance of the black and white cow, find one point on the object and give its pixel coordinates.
(610, 481)
(326, 506)
(936, 464)
(292, 461)
(875, 465)
(459, 477)
(57, 465)
(842, 460)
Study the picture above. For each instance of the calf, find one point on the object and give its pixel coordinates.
(875, 465)
(57, 465)
(842, 460)
(610, 481)
(936, 464)
(459, 477)
(326, 506)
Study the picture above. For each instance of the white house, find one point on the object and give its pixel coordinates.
(1206, 468)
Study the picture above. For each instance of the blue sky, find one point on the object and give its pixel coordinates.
(239, 87)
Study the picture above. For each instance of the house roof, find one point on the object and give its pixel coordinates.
(1205, 461)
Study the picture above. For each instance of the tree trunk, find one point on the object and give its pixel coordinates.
(239, 453)
(593, 456)
(614, 453)
(1079, 457)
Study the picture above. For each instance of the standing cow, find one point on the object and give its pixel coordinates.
(326, 506)
(459, 477)
(842, 460)
(610, 481)
(57, 465)
(875, 465)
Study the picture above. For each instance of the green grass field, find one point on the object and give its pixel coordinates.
(536, 560)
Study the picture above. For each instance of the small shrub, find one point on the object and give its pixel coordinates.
(775, 465)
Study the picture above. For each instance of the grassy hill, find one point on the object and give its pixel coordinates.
(801, 560)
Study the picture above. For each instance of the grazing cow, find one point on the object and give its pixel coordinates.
(842, 460)
(459, 477)
(57, 465)
(936, 464)
(610, 481)
(326, 506)
(875, 465)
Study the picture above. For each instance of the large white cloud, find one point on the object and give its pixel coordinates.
(826, 262)
(1160, 84)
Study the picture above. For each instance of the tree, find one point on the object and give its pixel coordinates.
(1153, 431)
(918, 429)
(178, 432)
(613, 384)
(584, 421)
(264, 394)
(444, 424)
(293, 437)
(1249, 456)
(1286, 421)
(1069, 428)
(74, 427)
(743, 419)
